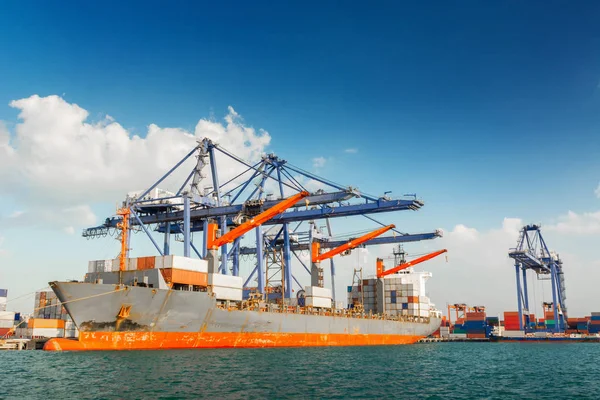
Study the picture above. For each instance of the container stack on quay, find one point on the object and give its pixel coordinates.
(511, 321)
(3, 299)
(7, 322)
(49, 319)
(475, 325)
(594, 323)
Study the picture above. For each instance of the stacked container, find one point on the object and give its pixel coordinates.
(7, 322)
(46, 328)
(475, 325)
(48, 306)
(401, 295)
(594, 325)
(317, 297)
(3, 299)
(511, 321)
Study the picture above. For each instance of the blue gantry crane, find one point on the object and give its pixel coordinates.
(260, 185)
(532, 253)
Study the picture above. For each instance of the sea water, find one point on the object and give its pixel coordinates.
(429, 371)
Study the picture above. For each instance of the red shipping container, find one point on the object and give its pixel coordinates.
(475, 316)
(476, 335)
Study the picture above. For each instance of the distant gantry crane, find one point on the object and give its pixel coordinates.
(532, 253)
(225, 212)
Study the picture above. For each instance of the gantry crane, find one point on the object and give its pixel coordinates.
(532, 253)
(202, 199)
(458, 308)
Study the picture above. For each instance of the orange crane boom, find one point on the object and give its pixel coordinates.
(381, 273)
(316, 247)
(214, 243)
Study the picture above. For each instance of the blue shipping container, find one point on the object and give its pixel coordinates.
(405, 306)
(349, 289)
(3, 292)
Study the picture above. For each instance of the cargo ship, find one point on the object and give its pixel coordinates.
(174, 302)
(113, 316)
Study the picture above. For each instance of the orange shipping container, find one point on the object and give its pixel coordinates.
(46, 323)
(145, 263)
(476, 335)
(185, 277)
(413, 299)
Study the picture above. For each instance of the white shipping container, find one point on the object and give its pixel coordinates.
(131, 264)
(458, 336)
(187, 263)
(424, 299)
(48, 332)
(108, 264)
(318, 292)
(3, 300)
(116, 265)
(403, 299)
(515, 334)
(227, 293)
(319, 302)
(5, 323)
(225, 281)
(7, 315)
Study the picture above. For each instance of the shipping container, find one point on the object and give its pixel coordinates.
(46, 323)
(184, 277)
(229, 281)
(229, 293)
(319, 292)
(47, 332)
(319, 302)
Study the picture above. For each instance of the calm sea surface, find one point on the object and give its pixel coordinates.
(434, 371)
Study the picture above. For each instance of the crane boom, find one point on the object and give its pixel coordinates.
(214, 243)
(316, 257)
(381, 273)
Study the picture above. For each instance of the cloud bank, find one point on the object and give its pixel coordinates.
(58, 162)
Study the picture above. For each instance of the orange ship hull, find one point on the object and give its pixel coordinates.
(185, 340)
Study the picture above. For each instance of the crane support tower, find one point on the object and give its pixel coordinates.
(532, 253)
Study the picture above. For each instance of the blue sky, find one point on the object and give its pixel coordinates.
(486, 110)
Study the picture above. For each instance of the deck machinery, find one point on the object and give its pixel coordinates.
(532, 253)
(204, 204)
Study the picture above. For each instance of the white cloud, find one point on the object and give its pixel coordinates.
(319, 162)
(58, 160)
(351, 151)
(580, 224)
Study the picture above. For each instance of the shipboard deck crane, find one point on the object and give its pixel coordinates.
(317, 257)
(381, 272)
